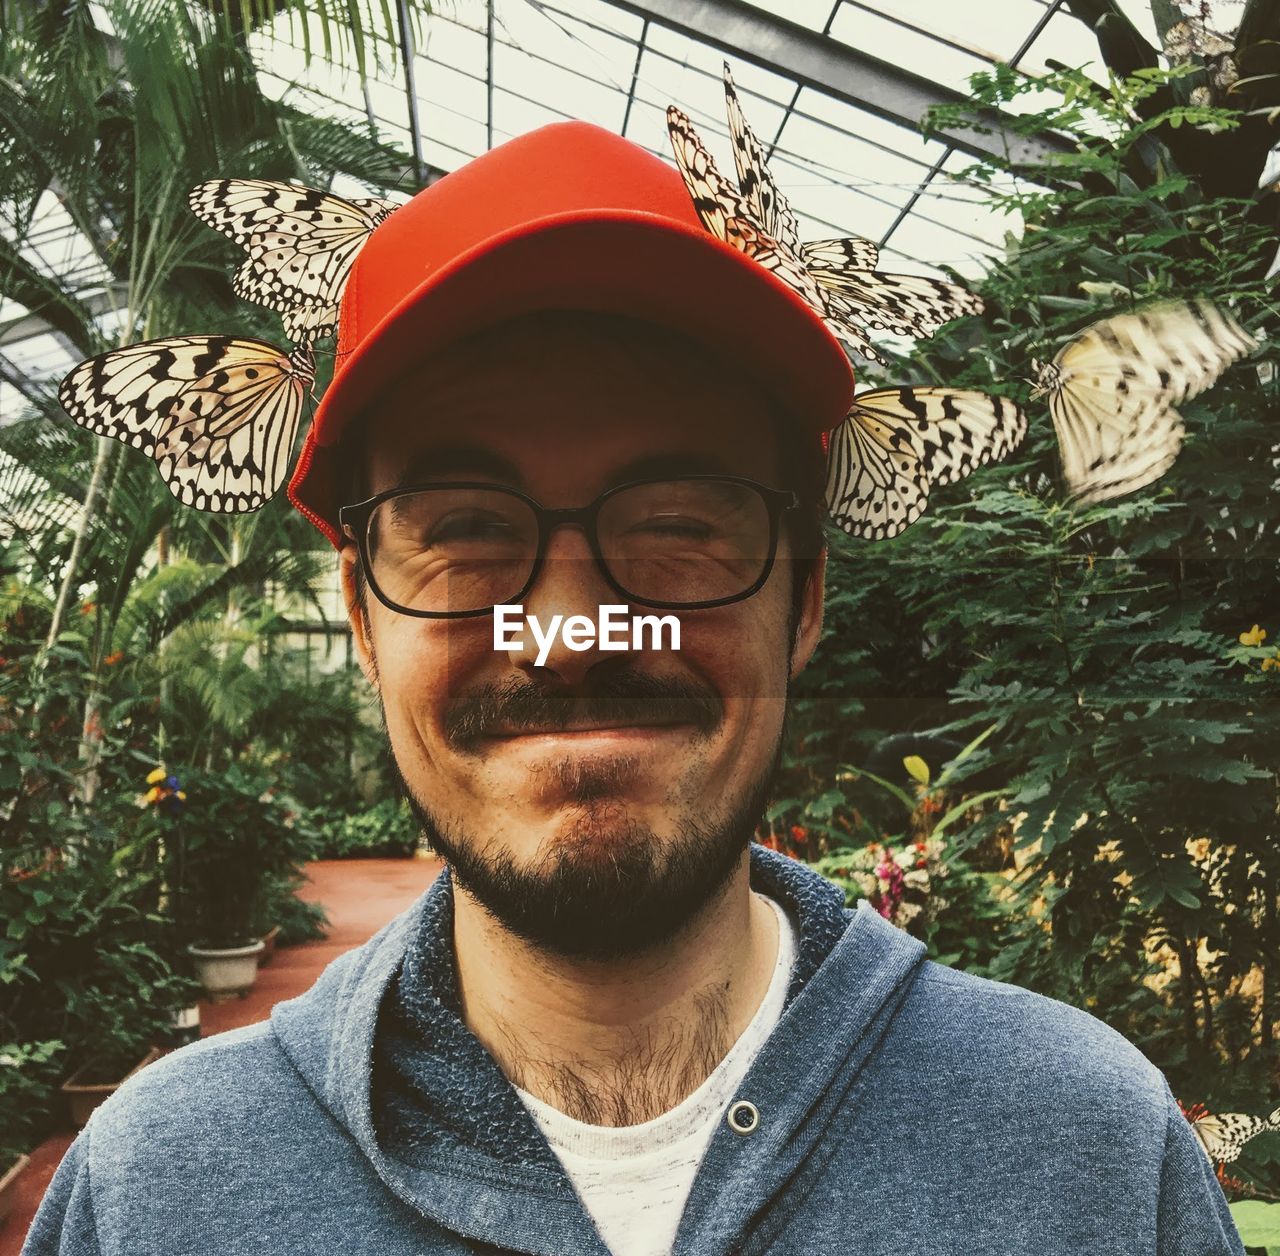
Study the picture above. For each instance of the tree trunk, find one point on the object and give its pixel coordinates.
(106, 447)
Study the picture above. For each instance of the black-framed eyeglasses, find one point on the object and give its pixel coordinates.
(461, 547)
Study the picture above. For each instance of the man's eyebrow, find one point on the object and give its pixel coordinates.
(459, 462)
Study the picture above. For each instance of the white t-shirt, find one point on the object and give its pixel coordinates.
(635, 1179)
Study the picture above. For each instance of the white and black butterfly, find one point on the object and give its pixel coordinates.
(726, 214)
(217, 414)
(836, 277)
(300, 244)
(902, 305)
(1112, 392)
(897, 443)
(1223, 1137)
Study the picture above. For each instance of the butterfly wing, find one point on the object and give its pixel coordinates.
(958, 430)
(761, 248)
(766, 205)
(845, 324)
(896, 443)
(1101, 462)
(850, 253)
(725, 213)
(300, 243)
(876, 481)
(1112, 392)
(1176, 349)
(1224, 1136)
(899, 305)
(217, 414)
(716, 200)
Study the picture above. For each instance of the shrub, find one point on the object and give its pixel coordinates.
(385, 831)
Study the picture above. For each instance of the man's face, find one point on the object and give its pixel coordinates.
(594, 803)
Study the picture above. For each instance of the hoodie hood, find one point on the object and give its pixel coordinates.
(381, 1041)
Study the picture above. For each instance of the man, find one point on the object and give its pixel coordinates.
(613, 1024)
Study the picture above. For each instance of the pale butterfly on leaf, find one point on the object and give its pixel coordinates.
(1224, 1136)
(217, 414)
(301, 245)
(1113, 390)
(897, 443)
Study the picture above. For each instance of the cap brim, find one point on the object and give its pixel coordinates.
(627, 262)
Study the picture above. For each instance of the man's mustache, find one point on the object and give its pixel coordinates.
(623, 697)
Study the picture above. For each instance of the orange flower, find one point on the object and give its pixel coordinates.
(113, 658)
(799, 834)
(87, 608)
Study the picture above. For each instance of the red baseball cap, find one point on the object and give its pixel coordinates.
(567, 217)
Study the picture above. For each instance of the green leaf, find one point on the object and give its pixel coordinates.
(961, 807)
(900, 794)
(917, 767)
(1258, 1223)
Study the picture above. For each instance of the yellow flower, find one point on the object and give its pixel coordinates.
(1255, 636)
(154, 793)
(1273, 661)
(182, 794)
(158, 775)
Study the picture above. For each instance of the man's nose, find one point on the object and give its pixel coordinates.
(569, 583)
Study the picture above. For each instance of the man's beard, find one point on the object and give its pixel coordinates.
(610, 888)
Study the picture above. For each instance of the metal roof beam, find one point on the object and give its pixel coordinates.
(29, 325)
(841, 71)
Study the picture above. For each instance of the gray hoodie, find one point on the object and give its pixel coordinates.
(904, 1109)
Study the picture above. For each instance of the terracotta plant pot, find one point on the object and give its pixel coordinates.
(228, 971)
(9, 1186)
(83, 1097)
(268, 945)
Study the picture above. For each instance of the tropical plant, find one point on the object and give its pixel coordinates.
(236, 837)
(117, 125)
(385, 830)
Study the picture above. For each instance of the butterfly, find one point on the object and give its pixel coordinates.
(896, 443)
(300, 244)
(836, 277)
(217, 414)
(905, 305)
(1112, 391)
(1223, 1137)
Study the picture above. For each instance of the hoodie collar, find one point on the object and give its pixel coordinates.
(444, 1127)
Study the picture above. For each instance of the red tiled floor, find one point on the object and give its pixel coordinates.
(360, 895)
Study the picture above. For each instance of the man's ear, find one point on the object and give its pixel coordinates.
(809, 622)
(357, 615)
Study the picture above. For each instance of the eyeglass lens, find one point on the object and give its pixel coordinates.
(468, 549)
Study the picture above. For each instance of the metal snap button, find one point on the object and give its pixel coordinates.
(743, 1117)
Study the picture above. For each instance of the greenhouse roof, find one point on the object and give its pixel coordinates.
(833, 89)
